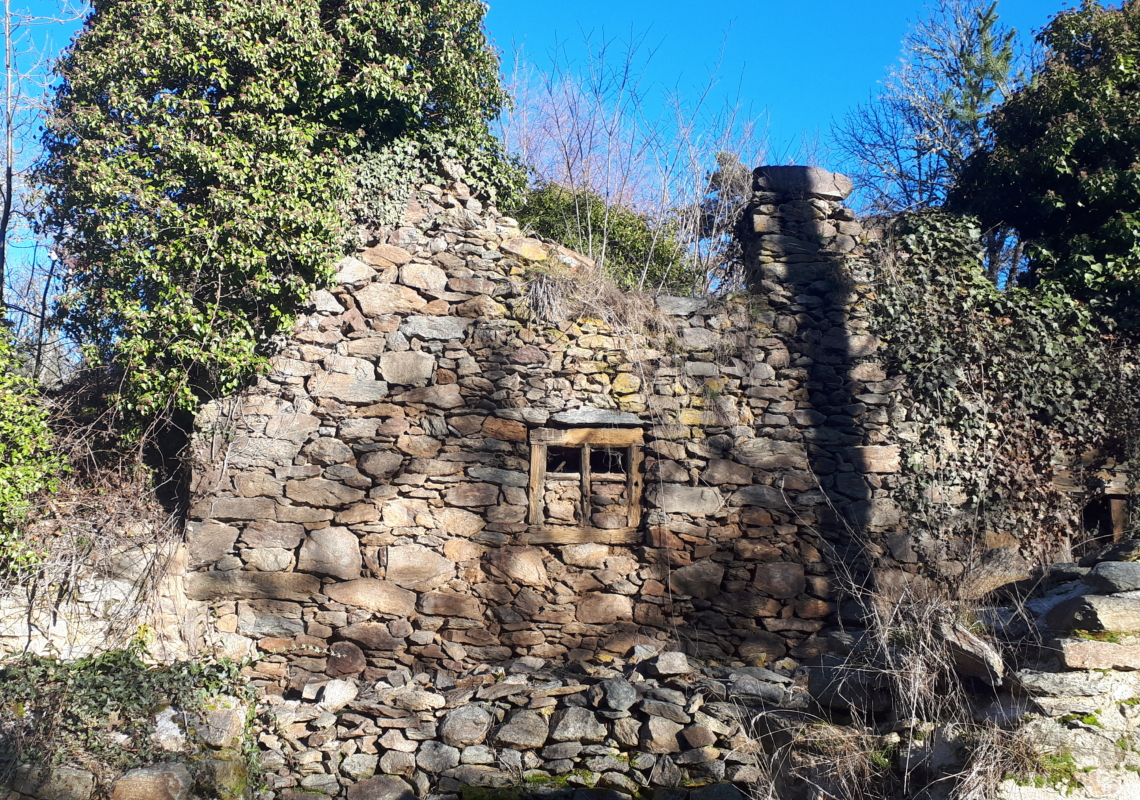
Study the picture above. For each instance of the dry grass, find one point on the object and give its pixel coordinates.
(560, 297)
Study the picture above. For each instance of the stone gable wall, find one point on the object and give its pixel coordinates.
(370, 496)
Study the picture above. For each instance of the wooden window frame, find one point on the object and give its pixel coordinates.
(584, 438)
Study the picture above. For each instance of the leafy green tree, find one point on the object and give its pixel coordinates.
(1063, 168)
(200, 163)
(634, 249)
(29, 462)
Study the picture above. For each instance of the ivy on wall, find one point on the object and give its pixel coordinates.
(1009, 386)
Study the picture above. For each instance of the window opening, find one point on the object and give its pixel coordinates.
(563, 462)
(585, 485)
(607, 461)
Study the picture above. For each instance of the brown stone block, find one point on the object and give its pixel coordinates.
(251, 586)
(780, 579)
(504, 429)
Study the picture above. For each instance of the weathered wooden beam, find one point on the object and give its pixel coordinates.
(537, 485)
(602, 437)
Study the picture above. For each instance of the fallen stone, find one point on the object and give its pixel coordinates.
(1096, 613)
(55, 783)
(384, 787)
(165, 781)
(672, 663)
(1111, 577)
(1091, 654)
(1128, 550)
(972, 656)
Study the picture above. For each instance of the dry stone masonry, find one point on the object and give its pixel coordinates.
(433, 484)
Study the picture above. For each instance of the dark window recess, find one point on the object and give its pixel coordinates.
(607, 461)
(564, 460)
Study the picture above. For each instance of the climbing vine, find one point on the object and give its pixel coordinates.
(1012, 388)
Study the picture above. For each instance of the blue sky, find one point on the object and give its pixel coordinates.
(800, 64)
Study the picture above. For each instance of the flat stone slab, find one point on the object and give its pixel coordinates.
(1114, 576)
(596, 416)
(1092, 654)
(803, 182)
(1096, 613)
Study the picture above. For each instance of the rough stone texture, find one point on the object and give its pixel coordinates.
(331, 551)
(56, 783)
(156, 782)
(384, 787)
(378, 596)
(1111, 577)
(604, 609)
(577, 725)
(803, 182)
(1096, 613)
(780, 579)
(466, 726)
(526, 730)
(1090, 654)
(698, 580)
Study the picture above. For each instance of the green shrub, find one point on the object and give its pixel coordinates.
(29, 463)
(633, 249)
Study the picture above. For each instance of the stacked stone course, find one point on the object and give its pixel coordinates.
(367, 508)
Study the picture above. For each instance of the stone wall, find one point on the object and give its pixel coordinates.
(376, 491)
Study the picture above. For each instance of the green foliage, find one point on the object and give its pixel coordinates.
(1008, 384)
(635, 250)
(29, 464)
(199, 166)
(53, 711)
(1063, 168)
